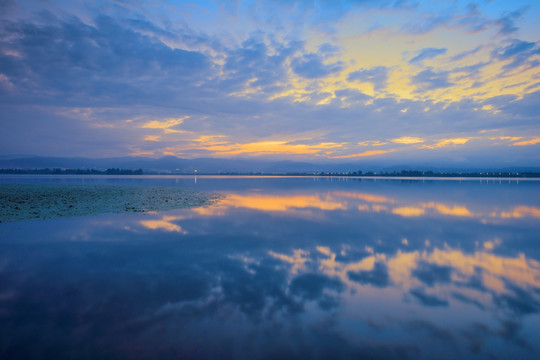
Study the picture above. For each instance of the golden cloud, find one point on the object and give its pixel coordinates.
(151, 138)
(164, 124)
(365, 153)
(446, 142)
(527, 142)
(372, 143)
(270, 147)
(407, 140)
(408, 211)
(208, 139)
(511, 138)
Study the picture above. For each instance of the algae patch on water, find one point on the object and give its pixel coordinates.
(25, 202)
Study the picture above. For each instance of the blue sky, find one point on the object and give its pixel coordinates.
(310, 80)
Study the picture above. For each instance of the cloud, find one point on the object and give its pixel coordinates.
(428, 79)
(164, 124)
(348, 97)
(527, 107)
(372, 143)
(527, 142)
(408, 211)
(427, 53)
(256, 61)
(519, 53)
(69, 61)
(428, 23)
(446, 142)
(268, 147)
(364, 154)
(464, 54)
(407, 140)
(328, 49)
(152, 138)
(471, 18)
(511, 138)
(311, 66)
(378, 76)
(270, 75)
(507, 22)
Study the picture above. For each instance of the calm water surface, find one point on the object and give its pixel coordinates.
(282, 268)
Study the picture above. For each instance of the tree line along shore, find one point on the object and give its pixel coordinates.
(359, 173)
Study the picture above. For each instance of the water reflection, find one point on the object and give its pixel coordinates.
(165, 223)
(339, 200)
(445, 273)
(388, 272)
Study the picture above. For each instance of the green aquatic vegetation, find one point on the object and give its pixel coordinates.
(25, 202)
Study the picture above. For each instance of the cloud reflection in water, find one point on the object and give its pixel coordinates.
(280, 273)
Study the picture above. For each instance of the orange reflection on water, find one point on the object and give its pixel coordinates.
(165, 223)
(364, 202)
(497, 274)
(364, 196)
(379, 208)
(298, 260)
(273, 203)
(519, 212)
(408, 211)
(519, 270)
(447, 210)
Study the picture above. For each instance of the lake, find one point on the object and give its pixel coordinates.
(281, 268)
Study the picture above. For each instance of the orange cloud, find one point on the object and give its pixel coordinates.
(527, 142)
(209, 139)
(511, 138)
(139, 153)
(446, 142)
(365, 153)
(372, 143)
(164, 124)
(270, 147)
(407, 140)
(151, 138)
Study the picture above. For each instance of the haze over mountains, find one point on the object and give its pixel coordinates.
(175, 165)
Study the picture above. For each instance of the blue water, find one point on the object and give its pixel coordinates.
(287, 268)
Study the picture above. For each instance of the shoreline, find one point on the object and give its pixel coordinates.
(20, 202)
(230, 176)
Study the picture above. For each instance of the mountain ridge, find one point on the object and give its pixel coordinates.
(172, 164)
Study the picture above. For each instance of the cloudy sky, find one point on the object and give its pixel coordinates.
(314, 80)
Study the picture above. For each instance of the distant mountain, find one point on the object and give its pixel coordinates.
(174, 165)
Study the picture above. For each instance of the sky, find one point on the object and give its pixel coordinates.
(319, 80)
